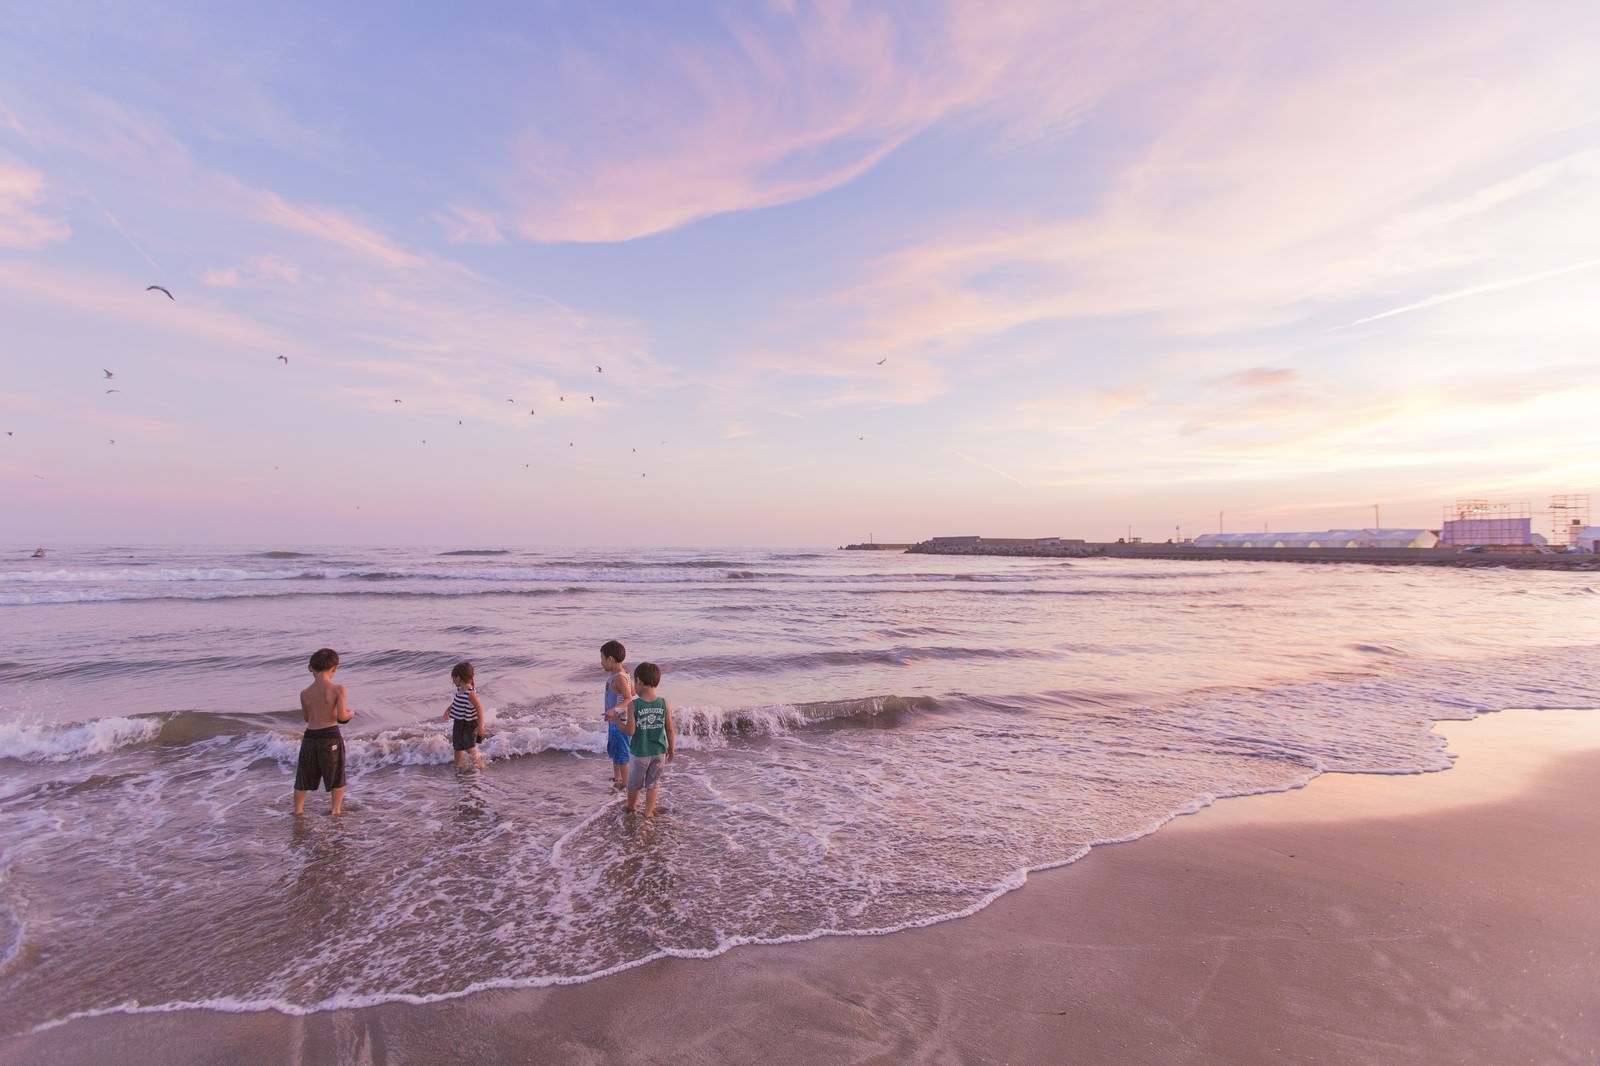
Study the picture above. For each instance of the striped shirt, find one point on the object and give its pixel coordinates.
(461, 708)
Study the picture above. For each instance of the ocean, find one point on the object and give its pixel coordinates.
(868, 741)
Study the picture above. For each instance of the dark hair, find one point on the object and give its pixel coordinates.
(613, 650)
(323, 660)
(648, 674)
(461, 671)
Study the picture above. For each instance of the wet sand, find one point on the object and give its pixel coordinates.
(1441, 918)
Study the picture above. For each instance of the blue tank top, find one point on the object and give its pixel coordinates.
(613, 697)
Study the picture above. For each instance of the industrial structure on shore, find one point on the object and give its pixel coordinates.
(1472, 531)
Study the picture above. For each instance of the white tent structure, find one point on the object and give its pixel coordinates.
(1333, 538)
(1589, 540)
(1400, 538)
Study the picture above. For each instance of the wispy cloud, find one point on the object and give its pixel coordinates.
(337, 228)
(22, 225)
(768, 108)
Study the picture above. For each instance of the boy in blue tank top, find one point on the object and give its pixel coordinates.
(652, 740)
(618, 692)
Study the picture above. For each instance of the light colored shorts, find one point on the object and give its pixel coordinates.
(644, 772)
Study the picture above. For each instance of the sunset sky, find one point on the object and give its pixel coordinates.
(850, 270)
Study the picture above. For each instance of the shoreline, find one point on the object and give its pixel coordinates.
(1434, 918)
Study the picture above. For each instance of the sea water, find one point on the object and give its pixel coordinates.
(867, 741)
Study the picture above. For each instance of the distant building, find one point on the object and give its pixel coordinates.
(955, 542)
(1488, 531)
(1587, 540)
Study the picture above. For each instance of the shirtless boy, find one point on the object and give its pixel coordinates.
(322, 747)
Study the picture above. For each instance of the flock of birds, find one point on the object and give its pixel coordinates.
(110, 376)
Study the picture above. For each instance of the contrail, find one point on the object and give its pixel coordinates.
(1476, 290)
(985, 466)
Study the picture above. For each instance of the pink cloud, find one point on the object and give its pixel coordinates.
(335, 228)
(677, 130)
(21, 225)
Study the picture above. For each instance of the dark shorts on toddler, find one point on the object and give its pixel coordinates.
(321, 760)
(463, 735)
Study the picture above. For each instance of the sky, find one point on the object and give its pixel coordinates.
(792, 274)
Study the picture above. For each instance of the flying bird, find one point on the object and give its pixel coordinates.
(158, 288)
(563, 399)
(591, 399)
(598, 370)
(885, 359)
(397, 401)
(107, 373)
(110, 391)
(285, 359)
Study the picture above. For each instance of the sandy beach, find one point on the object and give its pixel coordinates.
(1440, 918)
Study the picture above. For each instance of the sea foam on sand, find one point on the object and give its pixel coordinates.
(1437, 918)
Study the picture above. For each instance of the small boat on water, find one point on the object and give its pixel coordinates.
(38, 553)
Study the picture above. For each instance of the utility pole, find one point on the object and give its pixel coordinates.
(1219, 522)
(1377, 523)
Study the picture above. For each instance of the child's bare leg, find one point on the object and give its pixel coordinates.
(338, 801)
(299, 801)
(633, 797)
(649, 802)
(477, 758)
(619, 774)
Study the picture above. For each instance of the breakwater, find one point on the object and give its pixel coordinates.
(1446, 556)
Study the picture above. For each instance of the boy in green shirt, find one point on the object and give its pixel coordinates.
(647, 722)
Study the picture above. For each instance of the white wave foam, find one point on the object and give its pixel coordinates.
(41, 743)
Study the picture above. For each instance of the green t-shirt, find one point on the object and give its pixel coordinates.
(649, 728)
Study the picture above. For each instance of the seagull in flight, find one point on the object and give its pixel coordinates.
(285, 359)
(598, 369)
(158, 288)
(885, 359)
(110, 391)
(107, 373)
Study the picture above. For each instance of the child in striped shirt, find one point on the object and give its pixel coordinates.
(465, 715)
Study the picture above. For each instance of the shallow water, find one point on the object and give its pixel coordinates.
(868, 741)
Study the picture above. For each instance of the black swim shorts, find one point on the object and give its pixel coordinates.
(321, 759)
(463, 735)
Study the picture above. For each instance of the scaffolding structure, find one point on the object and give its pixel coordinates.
(1480, 522)
(1569, 516)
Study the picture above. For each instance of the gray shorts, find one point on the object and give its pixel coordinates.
(644, 772)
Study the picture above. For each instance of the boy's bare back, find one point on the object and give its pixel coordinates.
(322, 704)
